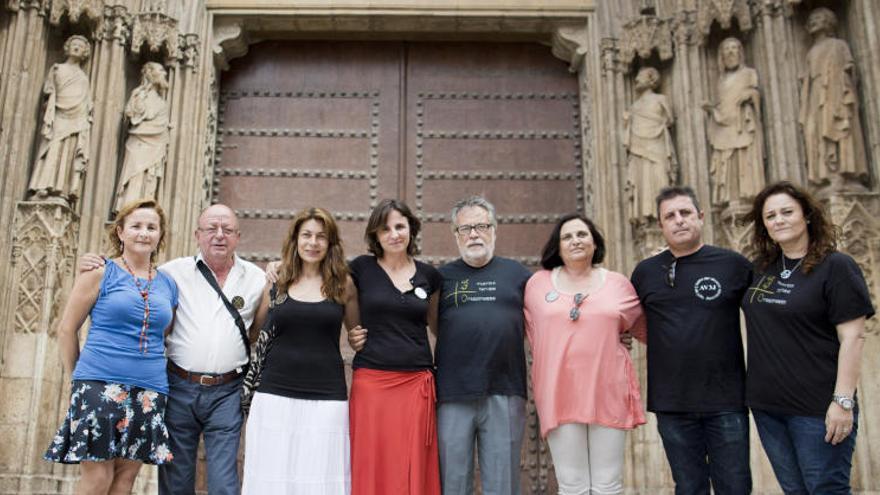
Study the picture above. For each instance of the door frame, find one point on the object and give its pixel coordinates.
(567, 26)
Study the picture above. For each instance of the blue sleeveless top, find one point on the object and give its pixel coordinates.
(112, 352)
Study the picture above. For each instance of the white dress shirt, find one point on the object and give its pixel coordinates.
(205, 338)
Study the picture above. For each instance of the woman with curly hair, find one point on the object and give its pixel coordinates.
(297, 439)
(805, 313)
(117, 405)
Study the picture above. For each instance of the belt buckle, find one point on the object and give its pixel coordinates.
(207, 380)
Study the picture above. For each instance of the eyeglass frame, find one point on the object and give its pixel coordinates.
(215, 230)
(575, 312)
(466, 229)
(670, 273)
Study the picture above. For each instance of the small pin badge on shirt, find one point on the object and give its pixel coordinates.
(238, 302)
(420, 293)
(551, 296)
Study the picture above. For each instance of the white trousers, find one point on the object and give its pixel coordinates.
(588, 459)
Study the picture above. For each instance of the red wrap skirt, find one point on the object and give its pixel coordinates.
(392, 422)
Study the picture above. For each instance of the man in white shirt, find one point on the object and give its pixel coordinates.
(207, 356)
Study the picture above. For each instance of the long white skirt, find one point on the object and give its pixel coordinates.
(296, 447)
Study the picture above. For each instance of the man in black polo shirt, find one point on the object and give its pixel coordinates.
(481, 368)
(696, 374)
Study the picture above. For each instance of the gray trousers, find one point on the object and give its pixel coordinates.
(495, 424)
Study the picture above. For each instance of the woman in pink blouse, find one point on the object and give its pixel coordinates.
(583, 379)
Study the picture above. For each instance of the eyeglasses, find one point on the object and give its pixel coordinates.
(670, 273)
(575, 312)
(218, 230)
(481, 228)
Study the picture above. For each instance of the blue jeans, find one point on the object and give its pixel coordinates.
(802, 461)
(194, 410)
(707, 446)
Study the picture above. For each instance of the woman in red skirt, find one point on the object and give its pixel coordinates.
(391, 408)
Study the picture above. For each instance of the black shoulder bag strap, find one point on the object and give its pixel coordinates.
(239, 322)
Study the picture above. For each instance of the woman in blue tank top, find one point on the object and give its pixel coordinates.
(115, 421)
(297, 439)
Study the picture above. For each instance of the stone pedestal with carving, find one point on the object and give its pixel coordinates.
(858, 217)
(647, 237)
(731, 231)
(33, 389)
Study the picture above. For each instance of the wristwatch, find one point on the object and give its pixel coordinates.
(845, 402)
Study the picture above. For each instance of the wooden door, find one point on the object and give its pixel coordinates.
(343, 125)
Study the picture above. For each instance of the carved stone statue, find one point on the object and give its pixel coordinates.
(829, 106)
(737, 165)
(646, 136)
(147, 143)
(63, 153)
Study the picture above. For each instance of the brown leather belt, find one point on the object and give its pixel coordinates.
(205, 379)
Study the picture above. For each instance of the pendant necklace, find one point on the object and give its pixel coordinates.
(786, 273)
(145, 295)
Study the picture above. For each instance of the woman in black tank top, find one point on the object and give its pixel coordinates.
(297, 438)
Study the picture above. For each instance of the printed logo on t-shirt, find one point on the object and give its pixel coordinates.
(765, 292)
(463, 291)
(707, 288)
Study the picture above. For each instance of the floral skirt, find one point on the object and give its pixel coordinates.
(111, 420)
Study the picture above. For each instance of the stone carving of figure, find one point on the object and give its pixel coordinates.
(646, 136)
(737, 166)
(829, 106)
(63, 153)
(147, 143)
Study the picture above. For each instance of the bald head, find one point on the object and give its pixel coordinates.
(217, 234)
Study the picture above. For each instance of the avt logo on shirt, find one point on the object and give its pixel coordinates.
(707, 288)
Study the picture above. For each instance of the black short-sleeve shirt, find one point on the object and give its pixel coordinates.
(480, 343)
(793, 345)
(396, 322)
(695, 350)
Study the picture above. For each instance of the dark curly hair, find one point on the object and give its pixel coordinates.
(821, 232)
(550, 257)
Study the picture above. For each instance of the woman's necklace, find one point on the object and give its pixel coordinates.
(786, 273)
(145, 294)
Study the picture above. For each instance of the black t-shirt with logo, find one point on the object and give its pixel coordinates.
(396, 322)
(695, 350)
(793, 345)
(480, 344)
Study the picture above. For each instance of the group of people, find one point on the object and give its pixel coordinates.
(168, 349)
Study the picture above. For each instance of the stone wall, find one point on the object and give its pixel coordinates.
(605, 42)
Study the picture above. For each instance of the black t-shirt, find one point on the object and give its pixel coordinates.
(304, 361)
(480, 344)
(695, 350)
(396, 322)
(793, 343)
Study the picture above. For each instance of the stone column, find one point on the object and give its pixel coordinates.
(690, 89)
(108, 89)
(609, 154)
(775, 46)
(864, 22)
(31, 383)
(858, 216)
(23, 49)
